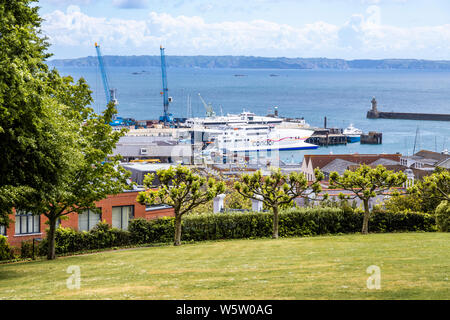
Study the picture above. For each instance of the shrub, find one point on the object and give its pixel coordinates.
(101, 236)
(442, 215)
(6, 252)
(294, 222)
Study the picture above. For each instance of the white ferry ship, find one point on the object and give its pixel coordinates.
(259, 138)
(244, 118)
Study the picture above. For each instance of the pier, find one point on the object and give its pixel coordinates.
(372, 138)
(327, 137)
(375, 114)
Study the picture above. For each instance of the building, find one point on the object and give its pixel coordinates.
(328, 163)
(426, 160)
(116, 210)
(164, 148)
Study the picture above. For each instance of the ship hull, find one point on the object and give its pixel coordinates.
(352, 139)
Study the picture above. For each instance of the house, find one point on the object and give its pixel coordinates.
(116, 210)
(328, 163)
(166, 149)
(426, 160)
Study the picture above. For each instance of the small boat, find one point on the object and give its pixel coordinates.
(353, 134)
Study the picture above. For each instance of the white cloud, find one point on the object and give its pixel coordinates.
(363, 36)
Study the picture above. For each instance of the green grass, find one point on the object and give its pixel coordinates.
(413, 266)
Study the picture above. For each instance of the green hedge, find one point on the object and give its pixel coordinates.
(295, 222)
(233, 225)
(68, 240)
(6, 252)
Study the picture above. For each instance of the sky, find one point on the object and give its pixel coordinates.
(346, 29)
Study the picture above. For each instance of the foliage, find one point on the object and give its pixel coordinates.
(366, 183)
(181, 188)
(433, 189)
(6, 252)
(293, 222)
(443, 216)
(101, 236)
(54, 147)
(30, 153)
(276, 191)
(403, 203)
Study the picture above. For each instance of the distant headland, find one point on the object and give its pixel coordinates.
(248, 62)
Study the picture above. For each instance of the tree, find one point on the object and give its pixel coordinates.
(366, 183)
(277, 190)
(54, 147)
(89, 174)
(180, 188)
(28, 152)
(433, 189)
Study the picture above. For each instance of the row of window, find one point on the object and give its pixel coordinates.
(27, 223)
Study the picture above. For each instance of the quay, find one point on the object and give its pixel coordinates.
(327, 137)
(375, 114)
(372, 138)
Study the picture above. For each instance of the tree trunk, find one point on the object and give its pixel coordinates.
(275, 222)
(365, 227)
(51, 239)
(177, 240)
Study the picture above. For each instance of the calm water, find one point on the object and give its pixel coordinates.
(343, 96)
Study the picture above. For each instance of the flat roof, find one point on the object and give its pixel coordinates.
(147, 166)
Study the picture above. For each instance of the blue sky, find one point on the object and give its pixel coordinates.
(349, 29)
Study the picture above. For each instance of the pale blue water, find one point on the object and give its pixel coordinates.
(343, 96)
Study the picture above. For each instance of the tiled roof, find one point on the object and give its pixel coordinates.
(432, 155)
(321, 160)
(338, 165)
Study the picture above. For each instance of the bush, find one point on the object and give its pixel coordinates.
(6, 252)
(442, 215)
(294, 222)
(102, 236)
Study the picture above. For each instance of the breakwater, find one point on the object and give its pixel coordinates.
(375, 114)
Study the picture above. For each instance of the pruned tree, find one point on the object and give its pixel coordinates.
(277, 190)
(366, 183)
(180, 188)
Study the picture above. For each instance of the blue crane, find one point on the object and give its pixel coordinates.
(167, 117)
(110, 94)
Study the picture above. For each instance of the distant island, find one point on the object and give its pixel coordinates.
(246, 62)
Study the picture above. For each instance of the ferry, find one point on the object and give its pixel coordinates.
(251, 138)
(353, 134)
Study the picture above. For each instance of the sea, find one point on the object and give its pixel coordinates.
(342, 96)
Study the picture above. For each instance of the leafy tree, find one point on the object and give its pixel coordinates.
(403, 203)
(28, 155)
(433, 189)
(181, 188)
(54, 147)
(277, 190)
(366, 183)
(88, 175)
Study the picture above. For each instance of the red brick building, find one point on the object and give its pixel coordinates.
(116, 210)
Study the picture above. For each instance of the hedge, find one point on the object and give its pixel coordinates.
(68, 240)
(295, 222)
(234, 225)
(6, 252)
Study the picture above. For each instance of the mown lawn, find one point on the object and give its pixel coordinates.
(413, 266)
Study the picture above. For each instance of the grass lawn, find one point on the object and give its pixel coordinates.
(413, 266)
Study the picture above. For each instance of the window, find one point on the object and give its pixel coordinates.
(26, 223)
(121, 216)
(2, 230)
(88, 220)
